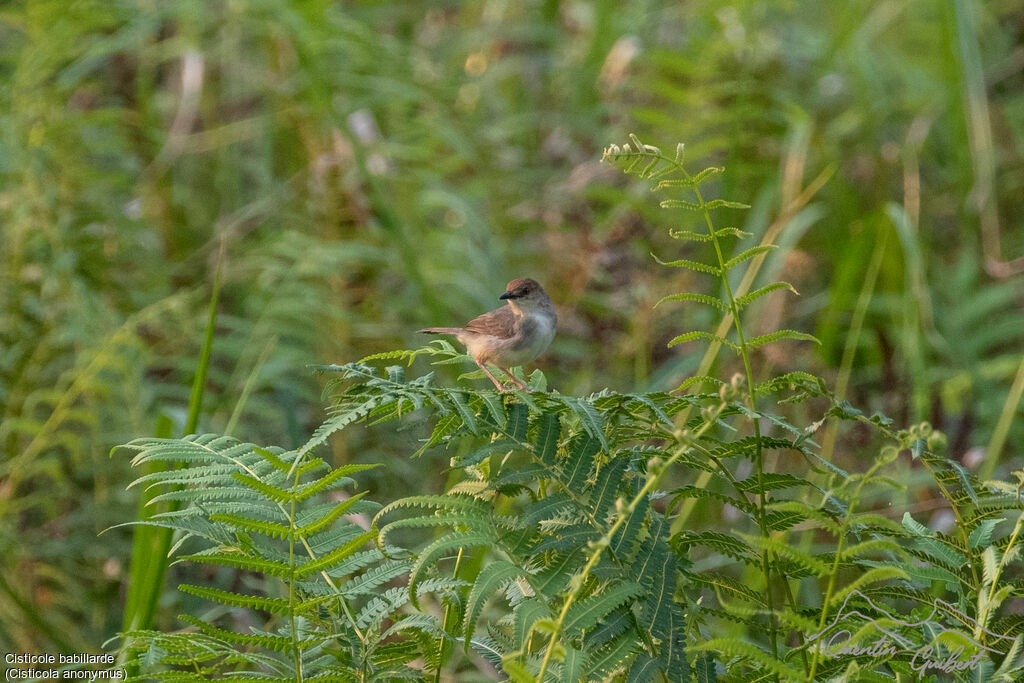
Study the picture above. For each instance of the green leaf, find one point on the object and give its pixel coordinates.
(586, 613)
(658, 603)
(644, 669)
(704, 668)
(723, 203)
(778, 335)
(527, 613)
(478, 455)
(516, 670)
(700, 334)
(697, 379)
(548, 432)
(625, 539)
(692, 265)
(275, 605)
(733, 232)
(811, 563)
(515, 427)
(689, 236)
(448, 542)
(589, 416)
(681, 204)
(982, 534)
(700, 298)
(334, 557)
(990, 562)
(580, 461)
(748, 254)
(747, 299)
(491, 578)
(771, 481)
(272, 529)
(612, 657)
(733, 647)
(606, 489)
(692, 181)
(572, 665)
(333, 479)
(239, 561)
(915, 527)
(276, 643)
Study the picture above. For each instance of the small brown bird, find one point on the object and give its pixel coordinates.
(511, 335)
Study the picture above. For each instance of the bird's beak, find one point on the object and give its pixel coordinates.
(508, 295)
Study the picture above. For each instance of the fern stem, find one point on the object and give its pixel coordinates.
(788, 213)
(752, 396)
(444, 621)
(580, 579)
(296, 650)
(835, 562)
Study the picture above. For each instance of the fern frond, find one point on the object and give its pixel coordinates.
(334, 557)
(747, 299)
(697, 379)
(680, 204)
(472, 520)
(869, 577)
(691, 265)
(806, 561)
(239, 561)
(490, 579)
(525, 617)
(625, 539)
(579, 462)
(723, 543)
(790, 380)
(609, 480)
(590, 417)
(612, 658)
(748, 254)
(700, 298)
(763, 339)
(272, 529)
(700, 334)
(275, 605)
(276, 643)
(733, 647)
(586, 613)
(334, 479)
(549, 430)
(448, 542)
(690, 236)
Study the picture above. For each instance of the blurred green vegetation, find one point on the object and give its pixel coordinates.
(375, 167)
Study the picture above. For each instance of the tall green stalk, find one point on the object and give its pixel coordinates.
(151, 544)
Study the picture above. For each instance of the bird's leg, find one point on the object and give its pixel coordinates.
(515, 379)
(488, 373)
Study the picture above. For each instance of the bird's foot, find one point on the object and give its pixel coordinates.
(515, 379)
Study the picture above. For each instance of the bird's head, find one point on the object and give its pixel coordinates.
(525, 294)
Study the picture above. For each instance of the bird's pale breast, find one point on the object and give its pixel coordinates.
(532, 338)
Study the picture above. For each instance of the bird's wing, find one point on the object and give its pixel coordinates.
(499, 323)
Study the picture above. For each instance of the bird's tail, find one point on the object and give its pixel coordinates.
(440, 330)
